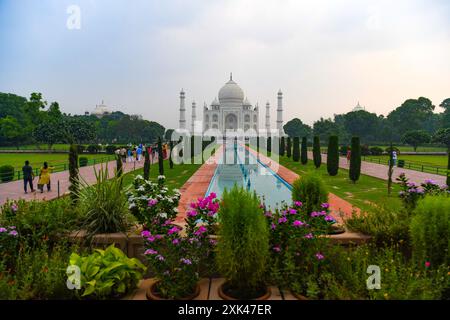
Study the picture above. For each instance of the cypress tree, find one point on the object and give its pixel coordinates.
(73, 172)
(304, 152)
(282, 146)
(289, 148)
(170, 154)
(317, 155)
(269, 146)
(160, 158)
(355, 160)
(333, 156)
(296, 151)
(448, 169)
(147, 165)
(119, 169)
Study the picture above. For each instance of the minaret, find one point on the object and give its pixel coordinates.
(268, 117)
(280, 113)
(182, 111)
(194, 117)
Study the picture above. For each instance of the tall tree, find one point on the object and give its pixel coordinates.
(443, 137)
(333, 156)
(415, 138)
(317, 153)
(289, 147)
(296, 128)
(355, 160)
(11, 131)
(282, 147)
(304, 151)
(296, 151)
(146, 165)
(446, 115)
(170, 154)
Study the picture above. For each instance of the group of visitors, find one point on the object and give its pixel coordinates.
(44, 177)
(137, 153)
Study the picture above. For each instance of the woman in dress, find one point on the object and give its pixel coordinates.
(44, 177)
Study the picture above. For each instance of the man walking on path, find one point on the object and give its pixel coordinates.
(394, 158)
(349, 154)
(28, 176)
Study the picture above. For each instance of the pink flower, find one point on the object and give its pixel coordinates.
(145, 233)
(277, 249)
(213, 195)
(320, 256)
(282, 220)
(329, 219)
(13, 233)
(314, 214)
(309, 236)
(158, 236)
(3, 230)
(176, 241)
(200, 231)
(213, 242)
(173, 230)
(273, 226)
(150, 251)
(192, 213)
(298, 223)
(14, 207)
(268, 214)
(152, 202)
(325, 205)
(193, 205)
(292, 211)
(427, 264)
(160, 257)
(151, 239)
(186, 261)
(298, 203)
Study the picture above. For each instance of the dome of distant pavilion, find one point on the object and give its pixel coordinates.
(231, 92)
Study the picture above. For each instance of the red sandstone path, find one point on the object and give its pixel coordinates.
(14, 190)
(380, 171)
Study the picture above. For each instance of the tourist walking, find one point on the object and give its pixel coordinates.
(130, 156)
(139, 153)
(44, 178)
(28, 176)
(394, 158)
(349, 154)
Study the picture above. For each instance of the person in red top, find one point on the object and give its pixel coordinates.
(349, 154)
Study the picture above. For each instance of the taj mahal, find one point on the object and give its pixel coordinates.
(231, 112)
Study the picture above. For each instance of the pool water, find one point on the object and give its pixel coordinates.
(240, 167)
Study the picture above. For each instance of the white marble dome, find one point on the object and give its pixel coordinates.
(231, 92)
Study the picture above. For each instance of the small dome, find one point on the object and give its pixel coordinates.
(247, 103)
(231, 92)
(215, 103)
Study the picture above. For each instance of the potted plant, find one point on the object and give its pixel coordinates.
(242, 252)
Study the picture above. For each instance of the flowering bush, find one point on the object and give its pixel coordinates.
(296, 242)
(411, 192)
(8, 244)
(152, 204)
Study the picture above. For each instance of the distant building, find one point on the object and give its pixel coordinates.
(101, 110)
(358, 108)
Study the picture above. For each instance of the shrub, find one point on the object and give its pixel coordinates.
(110, 149)
(311, 190)
(389, 150)
(242, 251)
(289, 147)
(296, 151)
(355, 160)
(107, 273)
(161, 158)
(269, 145)
(80, 148)
(8, 244)
(304, 151)
(92, 148)
(146, 165)
(376, 151)
(6, 173)
(333, 156)
(73, 172)
(103, 205)
(151, 203)
(170, 156)
(119, 166)
(83, 161)
(317, 153)
(430, 230)
(365, 150)
(282, 147)
(343, 150)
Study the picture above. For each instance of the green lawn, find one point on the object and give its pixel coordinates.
(58, 146)
(175, 178)
(420, 159)
(17, 160)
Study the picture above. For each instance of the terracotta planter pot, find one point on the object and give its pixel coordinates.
(224, 296)
(152, 295)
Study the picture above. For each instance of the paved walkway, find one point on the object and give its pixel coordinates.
(381, 171)
(14, 190)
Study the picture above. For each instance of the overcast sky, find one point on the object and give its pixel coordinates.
(326, 55)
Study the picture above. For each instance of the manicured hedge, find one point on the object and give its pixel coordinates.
(333, 156)
(296, 151)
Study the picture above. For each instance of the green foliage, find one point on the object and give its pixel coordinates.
(170, 154)
(242, 251)
(376, 151)
(296, 150)
(103, 206)
(355, 160)
(415, 138)
(74, 177)
(6, 173)
(92, 148)
(269, 145)
(304, 151)
(289, 147)
(430, 230)
(282, 147)
(83, 161)
(108, 273)
(110, 149)
(160, 158)
(146, 165)
(333, 156)
(311, 191)
(317, 153)
(119, 166)
(11, 131)
(296, 128)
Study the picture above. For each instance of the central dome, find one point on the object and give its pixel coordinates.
(231, 92)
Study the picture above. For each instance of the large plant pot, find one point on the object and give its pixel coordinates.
(152, 295)
(224, 296)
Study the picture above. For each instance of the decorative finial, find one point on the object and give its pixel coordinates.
(231, 76)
